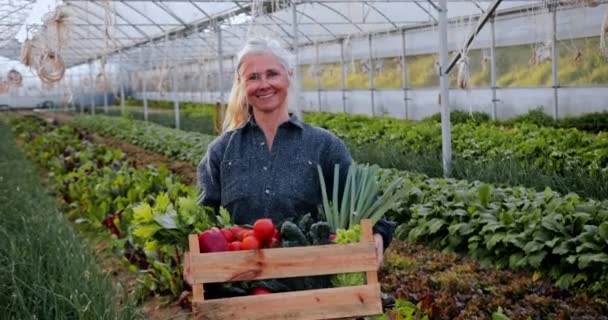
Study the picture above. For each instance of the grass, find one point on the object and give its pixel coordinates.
(46, 271)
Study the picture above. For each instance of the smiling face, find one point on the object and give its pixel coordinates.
(266, 82)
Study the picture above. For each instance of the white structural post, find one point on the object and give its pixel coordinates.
(444, 82)
(201, 83)
(493, 68)
(92, 87)
(404, 74)
(105, 97)
(144, 96)
(317, 77)
(371, 74)
(122, 84)
(175, 99)
(220, 59)
(554, 59)
(343, 75)
(296, 71)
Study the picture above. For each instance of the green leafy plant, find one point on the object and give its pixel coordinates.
(360, 199)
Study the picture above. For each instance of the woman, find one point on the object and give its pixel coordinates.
(264, 165)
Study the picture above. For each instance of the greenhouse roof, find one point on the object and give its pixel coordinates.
(186, 30)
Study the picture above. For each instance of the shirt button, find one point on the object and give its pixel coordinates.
(262, 143)
(267, 191)
(309, 162)
(265, 167)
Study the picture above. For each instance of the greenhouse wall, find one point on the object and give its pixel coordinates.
(423, 102)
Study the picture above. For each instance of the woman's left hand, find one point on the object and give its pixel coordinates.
(379, 249)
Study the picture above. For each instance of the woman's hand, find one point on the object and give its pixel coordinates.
(379, 249)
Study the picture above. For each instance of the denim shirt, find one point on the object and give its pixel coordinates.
(242, 175)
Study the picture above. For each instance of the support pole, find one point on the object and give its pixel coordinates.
(296, 71)
(554, 61)
(493, 68)
(343, 75)
(404, 74)
(318, 79)
(122, 84)
(143, 84)
(444, 97)
(220, 59)
(92, 87)
(105, 99)
(175, 99)
(371, 74)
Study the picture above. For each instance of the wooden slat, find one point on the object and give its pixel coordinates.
(331, 303)
(284, 262)
(198, 293)
(366, 235)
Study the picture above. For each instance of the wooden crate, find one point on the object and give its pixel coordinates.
(332, 303)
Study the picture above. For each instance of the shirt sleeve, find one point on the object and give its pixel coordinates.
(208, 178)
(336, 153)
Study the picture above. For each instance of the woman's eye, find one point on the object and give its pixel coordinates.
(272, 73)
(252, 77)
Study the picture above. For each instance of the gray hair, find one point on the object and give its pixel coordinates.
(260, 45)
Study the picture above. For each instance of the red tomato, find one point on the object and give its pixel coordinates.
(257, 291)
(264, 229)
(241, 234)
(250, 243)
(234, 246)
(227, 234)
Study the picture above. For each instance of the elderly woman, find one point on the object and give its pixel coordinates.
(264, 165)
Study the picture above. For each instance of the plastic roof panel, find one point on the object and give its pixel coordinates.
(140, 23)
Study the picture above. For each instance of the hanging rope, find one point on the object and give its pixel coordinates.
(604, 37)
(27, 53)
(463, 78)
(50, 67)
(4, 86)
(14, 78)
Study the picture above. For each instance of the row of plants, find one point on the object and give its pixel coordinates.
(517, 237)
(563, 237)
(591, 122)
(175, 144)
(564, 159)
(187, 122)
(98, 190)
(46, 271)
(556, 150)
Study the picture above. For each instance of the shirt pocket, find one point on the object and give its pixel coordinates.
(301, 181)
(234, 177)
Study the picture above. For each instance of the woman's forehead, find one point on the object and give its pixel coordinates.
(260, 62)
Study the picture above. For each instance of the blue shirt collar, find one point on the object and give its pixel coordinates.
(293, 120)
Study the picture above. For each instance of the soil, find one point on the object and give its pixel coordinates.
(140, 157)
(136, 155)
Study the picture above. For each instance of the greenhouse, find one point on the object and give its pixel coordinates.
(304, 159)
